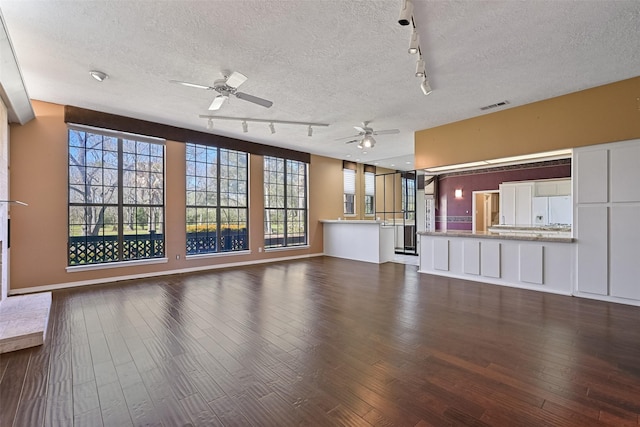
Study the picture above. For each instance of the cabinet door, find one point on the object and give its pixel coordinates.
(592, 176)
(507, 204)
(564, 187)
(524, 196)
(592, 263)
(625, 245)
(625, 173)
(549, 188)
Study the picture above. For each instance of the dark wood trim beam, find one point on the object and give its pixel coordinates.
(81, 116)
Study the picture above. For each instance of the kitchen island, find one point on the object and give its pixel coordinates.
(523, 260)
(360, 240)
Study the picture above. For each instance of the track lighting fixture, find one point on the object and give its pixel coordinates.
(425, 86)
(406, 12)
(420, 69)
(271, 123)
(406, 18)
(415, 41)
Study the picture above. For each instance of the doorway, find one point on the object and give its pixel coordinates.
(486, 210)
(396, 197)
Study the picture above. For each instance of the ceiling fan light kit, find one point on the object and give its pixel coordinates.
(365, 138)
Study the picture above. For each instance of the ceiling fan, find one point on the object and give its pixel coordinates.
(226, 87)
(364, 138)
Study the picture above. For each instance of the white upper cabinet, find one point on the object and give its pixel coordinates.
(592, 176)
(516, 203)
(553, 187)
(625, 173)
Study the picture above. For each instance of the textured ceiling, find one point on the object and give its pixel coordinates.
(337, 62)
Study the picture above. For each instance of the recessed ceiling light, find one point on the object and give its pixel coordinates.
(348, 155)
(391, 164)
(364, 152)
(376, 163)
(408, 163)
(357, 160)
(98, 75)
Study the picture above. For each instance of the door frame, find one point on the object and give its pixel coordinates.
(473, 205)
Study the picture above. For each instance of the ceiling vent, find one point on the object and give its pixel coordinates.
(496, 105)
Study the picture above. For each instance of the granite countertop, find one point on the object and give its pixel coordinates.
(350, 221)
(489, 235)
(532, 228)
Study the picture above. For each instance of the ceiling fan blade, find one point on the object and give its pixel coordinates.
(197, 86)
(236, 79)
(217, 102)
(254, 99)
(387, 132)
(360, 129)
(352, 141)
(348, 137)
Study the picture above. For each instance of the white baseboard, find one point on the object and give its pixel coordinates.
(154, 274)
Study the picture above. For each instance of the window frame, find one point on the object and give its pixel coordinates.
(349, 194)
(284, 241)
(221, 242)
(369, 194)
(123, 250)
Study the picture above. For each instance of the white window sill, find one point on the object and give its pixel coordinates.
(216, 254)
(286, 248)
(106, 265)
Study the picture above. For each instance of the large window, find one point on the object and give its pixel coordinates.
(217, 201)
(369, 193)
(349, 195)
(116, 197)
(285, 202)
(409, 195)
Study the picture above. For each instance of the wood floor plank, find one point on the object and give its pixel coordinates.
(325, 341)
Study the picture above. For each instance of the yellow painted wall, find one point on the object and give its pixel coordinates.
(599, 115)
(38, 176)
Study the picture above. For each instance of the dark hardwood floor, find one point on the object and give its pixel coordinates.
(329, 342)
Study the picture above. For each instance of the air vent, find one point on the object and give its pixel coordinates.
(496, 105)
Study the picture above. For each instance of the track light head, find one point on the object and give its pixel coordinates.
(426, 87)
(245, 126)
(420, 68)
(406, 12)
(98, 75)
(272, 128)
(310, 131)
(415, 42)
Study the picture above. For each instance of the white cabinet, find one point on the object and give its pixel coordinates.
(507, 204)
(515, 203)
(607, 212)
(552, 187)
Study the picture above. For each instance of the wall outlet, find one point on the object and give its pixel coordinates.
(260, 249)
(177, 256)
